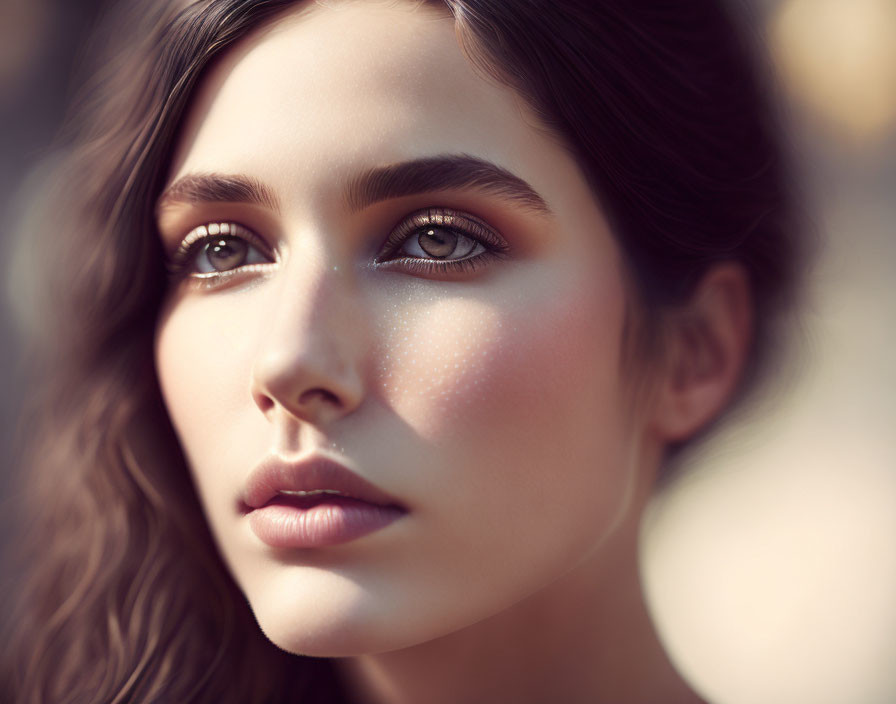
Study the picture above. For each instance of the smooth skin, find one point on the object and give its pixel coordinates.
(487, 398)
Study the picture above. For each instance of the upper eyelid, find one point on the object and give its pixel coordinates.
(468, 225)
(214, 229)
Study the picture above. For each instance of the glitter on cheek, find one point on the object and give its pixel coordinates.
(445, 363)
(436, 357)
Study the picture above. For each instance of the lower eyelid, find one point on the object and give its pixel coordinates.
(245, 268)
(211, 281)
(441, 268)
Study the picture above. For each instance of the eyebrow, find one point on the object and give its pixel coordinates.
(372, 186)
(218, 188)
(441, 173)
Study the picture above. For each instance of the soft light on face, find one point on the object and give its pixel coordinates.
(483, 396)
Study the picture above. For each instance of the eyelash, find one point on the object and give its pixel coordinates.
(183, 258)
(494, 246)
(471, 227)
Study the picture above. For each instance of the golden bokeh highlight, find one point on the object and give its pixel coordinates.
(838, 57)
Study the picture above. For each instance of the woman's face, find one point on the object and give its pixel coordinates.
(415, 283)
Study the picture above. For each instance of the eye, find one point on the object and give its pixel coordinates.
(441, 240)
(217, 250)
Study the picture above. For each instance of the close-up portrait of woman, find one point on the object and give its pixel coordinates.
(363, 339)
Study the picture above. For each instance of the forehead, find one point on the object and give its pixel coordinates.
(327, 90)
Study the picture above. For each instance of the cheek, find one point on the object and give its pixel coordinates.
(202, 357)
(437, 359)
(518, 399)
(196, 374)
(449, 364)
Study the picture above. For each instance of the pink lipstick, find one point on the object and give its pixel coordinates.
(314, 503)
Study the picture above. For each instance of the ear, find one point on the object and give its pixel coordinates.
(707, 342)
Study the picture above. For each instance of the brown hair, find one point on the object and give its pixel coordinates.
(124, 597)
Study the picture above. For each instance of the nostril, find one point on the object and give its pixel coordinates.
(319, 395)
(305, 384)
(264, 402)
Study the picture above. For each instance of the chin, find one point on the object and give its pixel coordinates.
(334, 630)
(329, 643)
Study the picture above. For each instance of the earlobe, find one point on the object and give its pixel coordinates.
(706, 346)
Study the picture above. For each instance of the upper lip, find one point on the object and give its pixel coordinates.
(274, 475)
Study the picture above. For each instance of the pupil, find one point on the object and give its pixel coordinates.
(227, 253)
(437, 242)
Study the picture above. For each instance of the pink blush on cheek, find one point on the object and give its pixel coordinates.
(446, 363)
(436, 360)
(529, 416)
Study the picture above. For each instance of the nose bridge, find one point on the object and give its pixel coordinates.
(309, 359)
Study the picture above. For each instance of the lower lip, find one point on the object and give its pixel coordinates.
(334, 521)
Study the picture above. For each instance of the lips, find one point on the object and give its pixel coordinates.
(313, 476)
(314, 503)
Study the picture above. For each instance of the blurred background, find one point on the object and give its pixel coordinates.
(40, 44)
(770, 561)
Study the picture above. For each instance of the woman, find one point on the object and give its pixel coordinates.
(384, 318)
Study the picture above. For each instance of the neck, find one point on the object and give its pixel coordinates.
(585, 638)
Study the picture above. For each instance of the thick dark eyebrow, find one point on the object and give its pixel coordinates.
(441, 173)
(217, 188)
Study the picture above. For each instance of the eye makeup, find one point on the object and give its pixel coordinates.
(429, 242)
(201, 238)
(436, 234)
(211, 254)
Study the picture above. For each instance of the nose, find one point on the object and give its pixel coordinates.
(309, 362)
